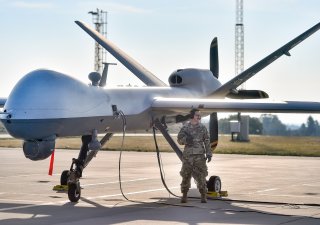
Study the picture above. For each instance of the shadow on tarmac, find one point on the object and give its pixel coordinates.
(164, 211)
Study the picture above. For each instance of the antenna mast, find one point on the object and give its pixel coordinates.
(243, 135)
(99, 19)
(239, 40)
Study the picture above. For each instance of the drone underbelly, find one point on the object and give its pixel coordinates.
(29, 129)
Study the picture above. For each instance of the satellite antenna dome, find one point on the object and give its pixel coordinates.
(94, 77)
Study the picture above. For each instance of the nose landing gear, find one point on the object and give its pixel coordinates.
(71, 177)
(74, 189)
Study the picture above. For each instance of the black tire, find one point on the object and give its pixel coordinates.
(214, 184)
(64, 177)
(74, 192)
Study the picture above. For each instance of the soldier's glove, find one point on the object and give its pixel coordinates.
(189, 139)
(209, 158)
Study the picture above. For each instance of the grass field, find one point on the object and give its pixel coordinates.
(258, 145)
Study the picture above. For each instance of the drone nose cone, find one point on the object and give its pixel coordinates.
(31, 98)
(37, 88)
(43, 98)
(49, 92)
(39, 100)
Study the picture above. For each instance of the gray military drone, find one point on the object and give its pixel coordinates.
(45, 105)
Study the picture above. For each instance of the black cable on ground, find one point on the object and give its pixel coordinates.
(160, 164)
(124, 126)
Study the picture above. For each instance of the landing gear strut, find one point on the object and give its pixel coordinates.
(214, 182)
(71, 177)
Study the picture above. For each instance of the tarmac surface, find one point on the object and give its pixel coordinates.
(262, 190)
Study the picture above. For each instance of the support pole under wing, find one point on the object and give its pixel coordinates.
(167, 136)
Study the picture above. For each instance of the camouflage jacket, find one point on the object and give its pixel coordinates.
(200, 142)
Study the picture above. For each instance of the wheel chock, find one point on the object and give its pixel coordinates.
(214, 194)
(223, 193)
(60, 188)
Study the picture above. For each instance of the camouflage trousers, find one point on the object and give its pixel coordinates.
(194, 166)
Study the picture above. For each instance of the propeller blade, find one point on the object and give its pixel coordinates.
(214, 68)
(214, 57)
(213, 130)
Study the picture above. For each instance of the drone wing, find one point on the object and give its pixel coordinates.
(183, 105)
(231, 85)
(137, 69)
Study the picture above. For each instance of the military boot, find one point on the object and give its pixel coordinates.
(184, 197)
(203, 198)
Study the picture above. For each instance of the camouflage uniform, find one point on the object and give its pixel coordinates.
(194, 156)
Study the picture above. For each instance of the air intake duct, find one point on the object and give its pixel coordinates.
(247, 94)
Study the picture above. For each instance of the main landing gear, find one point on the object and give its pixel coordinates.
(214, 184)
(71, 177)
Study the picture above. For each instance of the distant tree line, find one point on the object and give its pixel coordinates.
(269, 124)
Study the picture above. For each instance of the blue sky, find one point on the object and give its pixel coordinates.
(164, 36)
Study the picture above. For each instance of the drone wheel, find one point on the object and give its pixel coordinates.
(64, 177)
(214, 184)
(74, 192)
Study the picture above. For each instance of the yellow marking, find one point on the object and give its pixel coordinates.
(217, 194)
(60, 188)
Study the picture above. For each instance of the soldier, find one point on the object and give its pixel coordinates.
(195, 138)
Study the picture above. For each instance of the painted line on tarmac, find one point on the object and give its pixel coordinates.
(313, 184)
(19, 200)
(131, 193)
(49, 183)
(30, 175)
(82, 185)
(28, 206)
(266, 190)
(115, 182)
(89, 198)
(24, 175)
(293, 196)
